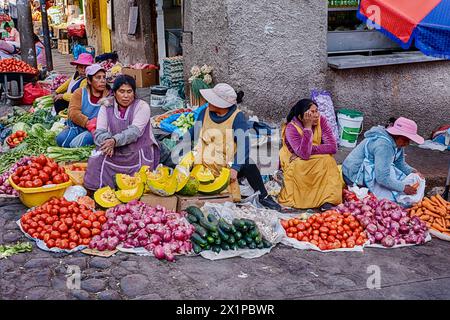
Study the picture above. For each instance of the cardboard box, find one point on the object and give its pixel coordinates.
(153, 200)
(144, 78)
(200, 200)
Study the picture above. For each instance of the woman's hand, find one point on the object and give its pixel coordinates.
(107, 147)
(58, 97)
(308, 120)
(410, 190)
(233, 175)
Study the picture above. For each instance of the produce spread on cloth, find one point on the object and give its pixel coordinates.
(38, 172)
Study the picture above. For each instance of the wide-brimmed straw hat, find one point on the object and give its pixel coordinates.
(406, 128)
(222, 95)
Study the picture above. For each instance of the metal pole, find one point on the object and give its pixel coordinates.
(26, 32)
(46, 31)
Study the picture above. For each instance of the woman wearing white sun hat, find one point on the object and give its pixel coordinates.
(219, 128)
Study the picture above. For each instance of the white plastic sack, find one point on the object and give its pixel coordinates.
(409, 200)
(439, 235)
(74, 192)
(361, 193)
(380, 246)
(246, 189)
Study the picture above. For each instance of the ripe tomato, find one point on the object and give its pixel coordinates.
(55, 234)
(74, 237)
(68, 221)
(46, 237)
(72, 245)
(64, 236)
(79, 219)
(85, 215)
(42, 160)
(58, 243)
(50, 243)
(78, 227)
(96, 224)
(37, 183)
(92, 218)
(43, 176)
(102, 219)
(63, 228)
(47, 170)
(86, 224)
(95, 231)
(28, 184)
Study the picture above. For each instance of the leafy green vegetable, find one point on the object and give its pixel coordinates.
(20, 126)
(19, 247)
(60, 154)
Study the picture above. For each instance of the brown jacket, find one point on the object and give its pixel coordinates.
(74, 111)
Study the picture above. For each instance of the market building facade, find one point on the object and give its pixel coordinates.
(277, 52)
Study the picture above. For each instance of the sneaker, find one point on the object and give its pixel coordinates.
(326, 206)
(269, 203)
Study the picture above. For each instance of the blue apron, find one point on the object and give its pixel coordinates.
(366, 174)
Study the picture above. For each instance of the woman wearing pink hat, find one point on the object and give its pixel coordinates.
(78, 80)
(378, 162)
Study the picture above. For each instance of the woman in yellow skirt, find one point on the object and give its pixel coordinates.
(311, 175)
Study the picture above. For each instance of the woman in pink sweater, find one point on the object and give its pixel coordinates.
(311, 175)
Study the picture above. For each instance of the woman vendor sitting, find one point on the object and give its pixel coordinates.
(378, 162)
(123, 136)
(218, 128)
(311, 175)
(83, 109)
(78, 80)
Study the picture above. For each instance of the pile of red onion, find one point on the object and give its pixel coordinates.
(5, 186)
(135, 225)
(386, 222)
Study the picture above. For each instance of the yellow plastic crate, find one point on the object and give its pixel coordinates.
(32, 197)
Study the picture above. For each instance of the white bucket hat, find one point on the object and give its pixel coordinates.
(222, 95)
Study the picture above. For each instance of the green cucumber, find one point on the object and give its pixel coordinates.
(196, 212)
(192, 219)
(210, 239)
(212, 218)
(260, 245)
(197, 248)
(225, 226)
(266, 243)
(234, 246)
(198, 239)
(225, 246)
(248, 239)
(258, 240)
(241, 243)
(200, 230)
(254, 233)
(252, 245)
(231, 240)
(223, 235)
(207, 247)
(217, 241)
(208, 225)
(215, 235)
(249, 223)
(216, 249)
(239, 224)
(238, 235)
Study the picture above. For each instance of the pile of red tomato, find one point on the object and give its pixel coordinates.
(329, 230)
(41, 171)
(16, 138)
(63, 224)
(15, 65)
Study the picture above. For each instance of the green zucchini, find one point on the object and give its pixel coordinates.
(200, 230)
(231, 240)
(266, 243)
(252, 245)
(212, 218)
(260, 245)
(237, 235)
(208, 225)
(210, 239)
(196, 212)
(197, 248)
(198, 239)
(217, 241)
(225, 246)
(241, 243)
(216, 249)
(192, 219)
(223, 235)
(225, 226)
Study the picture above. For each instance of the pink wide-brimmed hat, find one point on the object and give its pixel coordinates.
(84, 59)
(222, 95)
(407, 128)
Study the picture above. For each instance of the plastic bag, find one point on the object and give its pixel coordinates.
(33, 91)
(167, 125)
(408, 200)
(172, 100)
(361, 193)
(74, 192)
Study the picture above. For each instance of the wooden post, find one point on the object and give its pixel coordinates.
(25, 26)
(46, 31)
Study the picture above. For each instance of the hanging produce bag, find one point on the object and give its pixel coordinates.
(33, 91)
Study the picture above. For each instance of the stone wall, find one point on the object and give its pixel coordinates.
(276, 52)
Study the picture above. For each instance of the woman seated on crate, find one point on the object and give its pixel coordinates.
(78, 80)
(311, 175)
(378, 162)
(123, 137)
(214, 124)
(83, 109)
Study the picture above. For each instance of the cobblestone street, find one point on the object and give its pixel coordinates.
(416, 273)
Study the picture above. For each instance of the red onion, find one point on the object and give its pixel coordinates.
(159, 252)
(371, 228)
(388, 241)
(378, 236)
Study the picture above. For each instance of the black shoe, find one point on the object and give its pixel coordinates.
(326, 206)
(269, 203)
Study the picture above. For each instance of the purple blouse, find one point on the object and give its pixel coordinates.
(302, 146)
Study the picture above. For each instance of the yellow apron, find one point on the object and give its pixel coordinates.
(309, 183)
(216, 147)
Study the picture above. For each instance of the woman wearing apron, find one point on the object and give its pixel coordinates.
(83, 109)
(78, 80)
(123, 137)
(311, 175)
